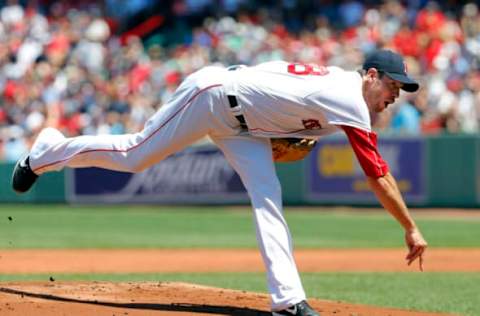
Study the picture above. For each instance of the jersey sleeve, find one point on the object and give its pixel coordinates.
(364, 145)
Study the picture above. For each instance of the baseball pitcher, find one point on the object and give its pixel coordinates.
(247, 111)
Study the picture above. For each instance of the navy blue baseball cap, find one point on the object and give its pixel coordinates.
(393, 65)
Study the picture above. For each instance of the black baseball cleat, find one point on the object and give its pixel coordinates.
(299, 309)
(22, 176)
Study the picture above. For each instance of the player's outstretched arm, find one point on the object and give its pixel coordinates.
(387, 192)
(364, 144)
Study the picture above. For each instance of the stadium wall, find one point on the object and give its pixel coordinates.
(432, 171)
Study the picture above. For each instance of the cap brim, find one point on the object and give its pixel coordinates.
(409, 84)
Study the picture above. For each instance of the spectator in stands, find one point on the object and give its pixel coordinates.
(71, 70)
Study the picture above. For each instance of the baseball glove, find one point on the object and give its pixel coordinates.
(291, 149)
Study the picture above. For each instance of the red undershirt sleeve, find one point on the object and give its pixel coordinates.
(364, 144)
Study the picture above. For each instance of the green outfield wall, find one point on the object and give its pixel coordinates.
(434, 171)
(50, 188)
(453, 171)
(444, 169)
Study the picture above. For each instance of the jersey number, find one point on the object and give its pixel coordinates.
(307, 69)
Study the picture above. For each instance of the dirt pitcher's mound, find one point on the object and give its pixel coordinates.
(148, 298)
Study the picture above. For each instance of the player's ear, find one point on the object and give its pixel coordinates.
(371, 74)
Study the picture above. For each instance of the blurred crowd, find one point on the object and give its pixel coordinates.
(70, 68)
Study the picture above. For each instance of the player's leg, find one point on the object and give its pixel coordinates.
(175, 125)
(252, 159)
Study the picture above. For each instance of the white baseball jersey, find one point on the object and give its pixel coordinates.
(280, 99)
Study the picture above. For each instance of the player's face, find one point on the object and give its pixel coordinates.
(391, 90)
(381, 92)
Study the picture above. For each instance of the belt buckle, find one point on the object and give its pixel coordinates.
(236, 110)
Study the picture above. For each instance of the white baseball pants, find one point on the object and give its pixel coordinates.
(199, 107)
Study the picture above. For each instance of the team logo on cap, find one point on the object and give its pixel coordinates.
(405, 69)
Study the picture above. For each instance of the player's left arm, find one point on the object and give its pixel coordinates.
(385, 187)
(387, 192)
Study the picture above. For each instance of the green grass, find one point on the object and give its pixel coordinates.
(435, 292)
(60, 226)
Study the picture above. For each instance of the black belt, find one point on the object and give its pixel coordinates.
(233, 100)
(233, 104)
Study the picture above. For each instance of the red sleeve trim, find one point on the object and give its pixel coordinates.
(364, 145)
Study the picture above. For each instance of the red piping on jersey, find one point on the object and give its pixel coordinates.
(142, 142)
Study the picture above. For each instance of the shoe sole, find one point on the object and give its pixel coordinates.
(17, 165)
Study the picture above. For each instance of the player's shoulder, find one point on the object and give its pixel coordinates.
(345, 77)
(341, 71)
(336, 69)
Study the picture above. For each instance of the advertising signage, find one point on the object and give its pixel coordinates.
(335, 176)
(196, 175)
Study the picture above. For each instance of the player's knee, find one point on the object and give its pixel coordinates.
(136, 164)
(266, 186)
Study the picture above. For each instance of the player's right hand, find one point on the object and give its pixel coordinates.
(416, 246)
